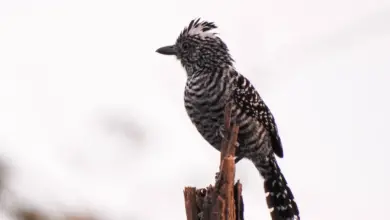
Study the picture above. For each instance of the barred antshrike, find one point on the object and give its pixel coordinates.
(212, 82)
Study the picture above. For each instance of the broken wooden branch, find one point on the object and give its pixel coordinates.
(223, 201)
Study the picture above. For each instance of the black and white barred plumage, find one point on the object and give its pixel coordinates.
(212, 82)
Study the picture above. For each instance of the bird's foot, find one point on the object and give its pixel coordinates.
(221, 132)
(200, 215)
(217, 174)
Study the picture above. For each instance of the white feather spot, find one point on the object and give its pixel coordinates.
(199, 31)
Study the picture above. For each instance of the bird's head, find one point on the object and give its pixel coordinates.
(198, 47)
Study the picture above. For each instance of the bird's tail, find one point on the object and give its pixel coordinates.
(280, 199)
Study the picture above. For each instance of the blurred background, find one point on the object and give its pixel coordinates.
(92, 120)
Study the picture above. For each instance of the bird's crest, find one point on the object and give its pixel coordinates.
(200, 28)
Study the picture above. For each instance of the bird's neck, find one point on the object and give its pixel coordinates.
(207, 69)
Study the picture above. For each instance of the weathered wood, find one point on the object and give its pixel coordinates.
(226, 133)
(228, 171)
(223, 200)
(190, 203)
(239, 202)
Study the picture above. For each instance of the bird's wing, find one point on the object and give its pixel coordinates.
(246, 97)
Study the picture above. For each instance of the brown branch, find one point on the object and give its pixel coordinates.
(239, 202)
(190, 202)
(225, 140)
(223, 201)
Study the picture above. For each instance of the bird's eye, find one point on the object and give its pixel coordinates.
(185, 46)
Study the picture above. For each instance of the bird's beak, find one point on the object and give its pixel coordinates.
(168, 50)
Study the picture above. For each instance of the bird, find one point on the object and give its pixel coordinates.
(212, 83)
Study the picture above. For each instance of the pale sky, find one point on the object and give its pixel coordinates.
(92, 119)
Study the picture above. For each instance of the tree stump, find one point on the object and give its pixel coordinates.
(223, 200)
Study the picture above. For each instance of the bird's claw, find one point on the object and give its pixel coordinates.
(217, 174)
(200, 215)
(221, 132)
